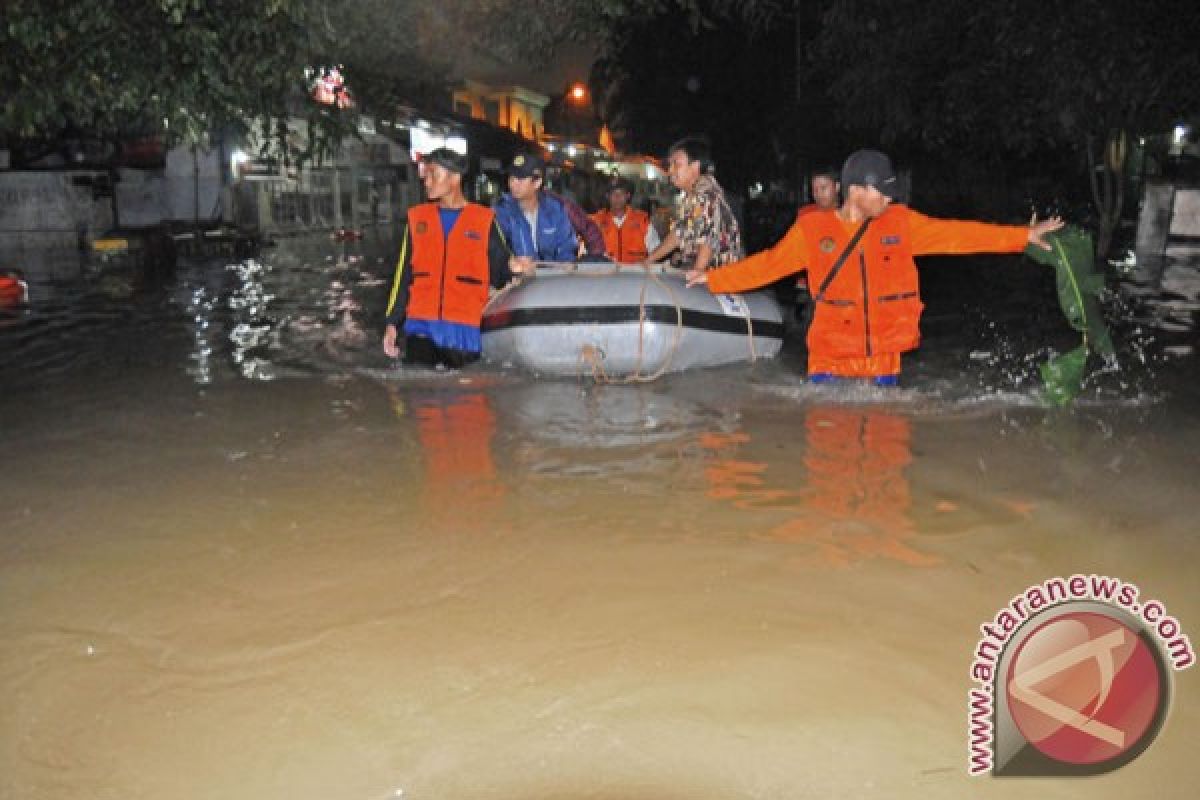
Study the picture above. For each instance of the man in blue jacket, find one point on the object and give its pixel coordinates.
(534, 223)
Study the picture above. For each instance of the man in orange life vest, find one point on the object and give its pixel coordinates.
(452, 250)
(628, 235)
(859, 259)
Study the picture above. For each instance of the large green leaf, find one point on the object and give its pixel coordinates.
(1073, 257)
(1062, 376)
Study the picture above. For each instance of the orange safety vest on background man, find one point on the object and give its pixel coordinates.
(449, 273)
(625, 243)
(870, 312)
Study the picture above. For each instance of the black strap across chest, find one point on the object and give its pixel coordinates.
(837, 265)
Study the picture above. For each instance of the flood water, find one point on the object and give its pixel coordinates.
(244, 556)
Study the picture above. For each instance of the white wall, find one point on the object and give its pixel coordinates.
(46, 208)
(184, 190)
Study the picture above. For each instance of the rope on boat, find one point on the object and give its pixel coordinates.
(594, 357)
(750, 334)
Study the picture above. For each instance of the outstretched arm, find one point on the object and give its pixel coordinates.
(789, 256)
(931, 236)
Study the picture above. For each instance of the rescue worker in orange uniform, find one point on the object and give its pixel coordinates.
(628, 235)
(859, 259)
(452, 251)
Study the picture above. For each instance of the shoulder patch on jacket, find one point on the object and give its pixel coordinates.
(890, 240)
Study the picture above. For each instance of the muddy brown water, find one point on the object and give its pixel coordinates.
(241, 556)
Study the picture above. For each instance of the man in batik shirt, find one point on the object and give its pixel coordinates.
(705, 232)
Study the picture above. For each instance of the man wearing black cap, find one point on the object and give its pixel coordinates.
(859, 259)
(628, 235)
(452, 250)
(534, 222)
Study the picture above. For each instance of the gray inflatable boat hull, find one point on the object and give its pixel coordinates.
(632, 322)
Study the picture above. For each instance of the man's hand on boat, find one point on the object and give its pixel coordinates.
(695, 276)
(521, 265)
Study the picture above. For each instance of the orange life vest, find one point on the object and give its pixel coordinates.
(625, 242)
(449, 274)
(872, 306)
(807, 209)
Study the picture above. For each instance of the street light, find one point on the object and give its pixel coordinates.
(577, 102)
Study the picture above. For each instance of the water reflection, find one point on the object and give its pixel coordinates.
(459, 490)
(294, 310)
(852, 502)
(629, 436)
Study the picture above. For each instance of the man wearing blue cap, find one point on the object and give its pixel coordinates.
(859, 259)
(452, 251)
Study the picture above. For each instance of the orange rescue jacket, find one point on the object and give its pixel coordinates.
(449, 274)
(626, 242)
(873, 306)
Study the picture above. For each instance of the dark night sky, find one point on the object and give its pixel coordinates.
(571, 63)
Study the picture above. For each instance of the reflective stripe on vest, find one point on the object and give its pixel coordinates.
(449, 274)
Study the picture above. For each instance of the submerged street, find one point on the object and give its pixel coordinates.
(243, 555)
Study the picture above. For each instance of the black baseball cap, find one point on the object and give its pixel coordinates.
(526, 164)
(621, 183)
(871, 168)
(445, 157)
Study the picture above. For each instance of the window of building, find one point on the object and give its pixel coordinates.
(491, 111)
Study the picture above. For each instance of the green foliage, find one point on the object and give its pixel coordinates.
(1078, 283)
(185, 68)
(179, 67)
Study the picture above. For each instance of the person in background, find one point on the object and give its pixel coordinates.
(628, 235)
(705, 232)
(591, 240)
(825, 186)
(451, 251)
(535, 224)
(868, 313)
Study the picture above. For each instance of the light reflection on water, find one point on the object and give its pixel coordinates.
(242, 556)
